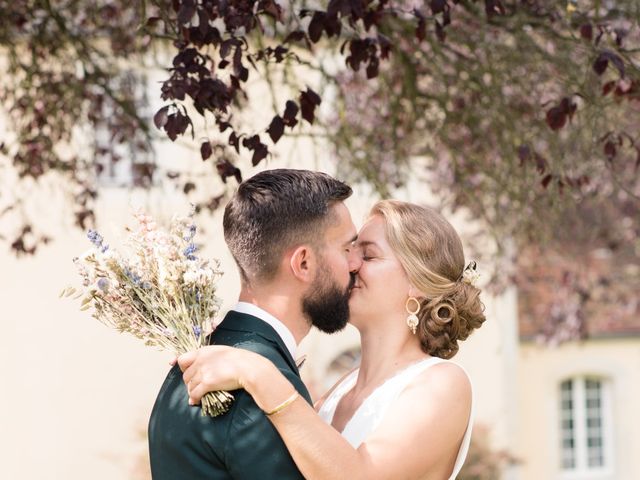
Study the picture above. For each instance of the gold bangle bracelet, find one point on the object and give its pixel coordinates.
(284, 404)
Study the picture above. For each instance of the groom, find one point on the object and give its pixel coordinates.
(289, 233)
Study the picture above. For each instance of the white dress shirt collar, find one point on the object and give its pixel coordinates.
(280, 328)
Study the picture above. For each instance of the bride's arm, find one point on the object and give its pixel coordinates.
(416, 438)
(320, 452)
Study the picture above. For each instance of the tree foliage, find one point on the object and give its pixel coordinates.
(524, 112)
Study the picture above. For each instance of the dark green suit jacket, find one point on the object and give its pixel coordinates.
(241, 444)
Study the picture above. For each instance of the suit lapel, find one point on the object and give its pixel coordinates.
(242, 322)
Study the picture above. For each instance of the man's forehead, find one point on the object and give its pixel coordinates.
(343, 226)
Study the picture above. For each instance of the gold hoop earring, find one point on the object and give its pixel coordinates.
(412, 319)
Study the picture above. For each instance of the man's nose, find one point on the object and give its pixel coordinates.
(355, 261)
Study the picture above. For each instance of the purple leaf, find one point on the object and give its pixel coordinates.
(203, 21)
(222, 125)
(161, 116)
(186, 12)
(152, 21)
(251, 142)
(372, 68)
(234, 141)
(610, 150)
(494, 7)
(185, 57)
(189, 186)
(556, 118)
(313, 96)
(271, 8)
(259, 153)
(446, 17)
(437, 6)
(602, 61)
(586, 31)
(309, 100)
(421, 28)
(296, 36)
(332, 26)
(290, 113)
(176, 124)
(226, 169)
(279, 53)
(620, 34)
(225, 48)
(316, 26)
(276, 129)
(205, 150)
(239, 69)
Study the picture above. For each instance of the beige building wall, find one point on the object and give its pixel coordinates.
(542, 369)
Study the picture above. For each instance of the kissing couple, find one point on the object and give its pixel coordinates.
(406, 412)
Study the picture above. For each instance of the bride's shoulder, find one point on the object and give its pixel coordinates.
(444, 380)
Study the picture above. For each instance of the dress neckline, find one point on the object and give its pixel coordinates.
(351, 379)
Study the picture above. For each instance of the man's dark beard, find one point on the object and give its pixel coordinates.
(327, 306)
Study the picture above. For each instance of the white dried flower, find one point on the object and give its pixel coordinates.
(470, 274)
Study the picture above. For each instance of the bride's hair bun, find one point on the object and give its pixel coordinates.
(448, 319)
(430, 251)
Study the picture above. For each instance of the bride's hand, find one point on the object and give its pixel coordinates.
(214, 367)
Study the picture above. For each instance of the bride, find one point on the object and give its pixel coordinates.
(406, 412)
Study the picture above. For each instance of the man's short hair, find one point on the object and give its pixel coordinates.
(274, 211)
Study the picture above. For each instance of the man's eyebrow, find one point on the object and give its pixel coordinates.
(350, 241)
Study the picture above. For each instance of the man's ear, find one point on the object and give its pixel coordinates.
(303, 263)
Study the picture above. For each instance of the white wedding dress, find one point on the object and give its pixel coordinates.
(371, 412)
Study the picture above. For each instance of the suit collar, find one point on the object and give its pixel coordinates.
(243, 322)
(282, 330)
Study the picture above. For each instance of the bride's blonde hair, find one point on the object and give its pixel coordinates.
(430, 251)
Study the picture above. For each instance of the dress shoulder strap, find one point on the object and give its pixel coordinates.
(328, 407)
(403, 378)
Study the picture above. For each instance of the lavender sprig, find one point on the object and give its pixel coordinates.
(97, 240)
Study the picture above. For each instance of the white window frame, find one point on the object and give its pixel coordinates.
(582, 471)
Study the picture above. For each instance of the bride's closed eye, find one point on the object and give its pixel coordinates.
(366, 256)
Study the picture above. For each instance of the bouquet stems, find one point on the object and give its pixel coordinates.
(216, 403)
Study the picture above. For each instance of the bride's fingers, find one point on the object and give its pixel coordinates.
(190, 388)
(189, 374)
(196, 393)
(185, 360)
